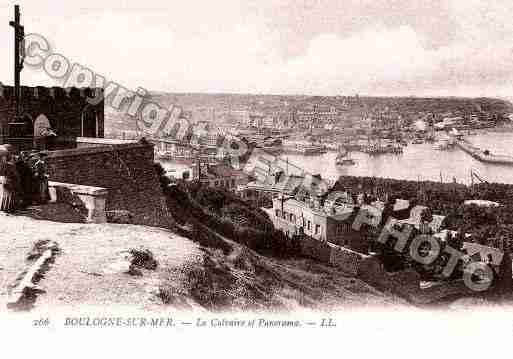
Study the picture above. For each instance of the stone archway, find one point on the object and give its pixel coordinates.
(89, 122)
(41, 126)
(42, 132)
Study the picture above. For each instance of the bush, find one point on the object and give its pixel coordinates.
(143, 258)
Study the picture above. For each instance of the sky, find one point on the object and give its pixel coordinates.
(313, 47)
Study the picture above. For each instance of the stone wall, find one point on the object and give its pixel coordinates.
(125, 170)
(368, 268)
(63, 107)
(346, 259)
(316, 249)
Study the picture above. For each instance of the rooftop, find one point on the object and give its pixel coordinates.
(221, 171)
(285, 184)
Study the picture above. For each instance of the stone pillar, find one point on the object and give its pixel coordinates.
(92, 197)
(95, 204)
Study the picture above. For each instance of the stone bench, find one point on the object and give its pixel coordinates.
(92, 197)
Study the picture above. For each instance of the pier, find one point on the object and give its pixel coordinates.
(481, 155)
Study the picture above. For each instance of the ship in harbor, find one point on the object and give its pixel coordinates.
(343, 158)
(303, 148)
(345, 162)
(445, 143)
(378, 148)
(375, 145)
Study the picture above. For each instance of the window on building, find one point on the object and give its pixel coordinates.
(277, 213)
(216, 183)
(317, 229)
(309, 227)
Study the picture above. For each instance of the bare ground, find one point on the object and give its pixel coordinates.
(188, 276)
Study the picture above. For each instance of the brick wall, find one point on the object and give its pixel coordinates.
(126, 170)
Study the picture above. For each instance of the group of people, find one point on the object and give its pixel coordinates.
(23, 178)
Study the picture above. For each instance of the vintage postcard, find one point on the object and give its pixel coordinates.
(310, 176)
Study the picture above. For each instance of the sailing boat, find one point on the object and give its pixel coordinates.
(430, 136)
(444, 143)
(342, 158)
(373, 146)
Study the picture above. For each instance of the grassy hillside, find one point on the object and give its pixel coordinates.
(205, 210)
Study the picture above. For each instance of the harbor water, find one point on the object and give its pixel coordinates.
(417, 162)
(420, 162)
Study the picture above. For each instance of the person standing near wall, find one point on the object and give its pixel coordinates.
(25, 176)
(8, 179)
(40, 171)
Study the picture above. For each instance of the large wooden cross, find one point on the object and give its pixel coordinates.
(19, 34)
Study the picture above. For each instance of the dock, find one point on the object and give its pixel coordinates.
(480, 155)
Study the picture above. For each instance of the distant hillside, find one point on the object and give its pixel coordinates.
(207, 107)
(234, 102)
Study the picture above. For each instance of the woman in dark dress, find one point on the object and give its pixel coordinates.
(40, 171)
(8, 180)
(25, 180)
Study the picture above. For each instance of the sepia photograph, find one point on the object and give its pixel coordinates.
(328, 173)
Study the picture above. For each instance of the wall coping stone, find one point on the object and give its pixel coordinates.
(81, 189)
(105, 141)
(98, 149)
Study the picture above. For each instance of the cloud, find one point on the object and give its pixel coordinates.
(351, 64)
(382, 61)
(314, 47)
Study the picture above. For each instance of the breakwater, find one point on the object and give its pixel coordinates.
(483, 155)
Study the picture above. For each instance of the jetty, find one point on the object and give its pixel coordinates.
(481, 155)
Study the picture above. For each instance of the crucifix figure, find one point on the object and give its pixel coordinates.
(19, 54)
